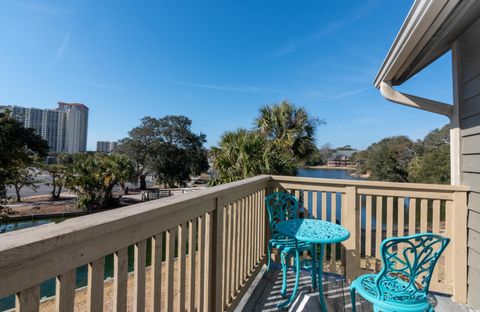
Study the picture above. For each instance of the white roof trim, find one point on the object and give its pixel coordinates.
(423, 20)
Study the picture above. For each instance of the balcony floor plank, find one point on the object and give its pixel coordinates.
(266, 295)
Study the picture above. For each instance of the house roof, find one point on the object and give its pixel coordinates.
(427, 33)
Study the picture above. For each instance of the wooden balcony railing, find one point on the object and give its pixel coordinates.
(200, 251)
(205, 248)
(373, 211)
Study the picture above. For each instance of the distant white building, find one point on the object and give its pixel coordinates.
(64, 128)
(106, 146)
(76, 125)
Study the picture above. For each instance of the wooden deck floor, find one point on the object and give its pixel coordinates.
(264, 295)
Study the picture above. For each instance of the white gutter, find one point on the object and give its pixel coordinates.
(389, 93)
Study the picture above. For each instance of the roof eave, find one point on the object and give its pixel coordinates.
(423, 19)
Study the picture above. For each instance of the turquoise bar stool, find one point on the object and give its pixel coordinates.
(283, 206)
(402, 284)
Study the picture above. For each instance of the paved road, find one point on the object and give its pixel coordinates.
(44, 189)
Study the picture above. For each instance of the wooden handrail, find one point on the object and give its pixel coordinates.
(372, 184)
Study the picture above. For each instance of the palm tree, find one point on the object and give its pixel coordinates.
(243, 154)
(93, 177)
(289, 127)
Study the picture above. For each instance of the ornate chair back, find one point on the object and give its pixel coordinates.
(280, 206)
(408, 264)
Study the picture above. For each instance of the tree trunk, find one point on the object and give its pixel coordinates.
(143, 182)
(57, 195)
(54, 191)
(17, 191)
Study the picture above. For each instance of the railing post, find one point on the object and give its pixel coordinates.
(218, 242)
(350, 220)
(459, 246)
(268, 190)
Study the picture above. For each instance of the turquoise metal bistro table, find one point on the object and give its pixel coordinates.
(317, 232)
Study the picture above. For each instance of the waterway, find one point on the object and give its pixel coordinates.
(47, 288)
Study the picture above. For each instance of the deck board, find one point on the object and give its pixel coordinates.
(265, 295)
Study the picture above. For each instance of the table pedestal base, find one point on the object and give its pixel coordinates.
(317, 277)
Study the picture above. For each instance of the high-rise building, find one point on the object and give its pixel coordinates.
(76, 124)
(64, 128)
(106, 146)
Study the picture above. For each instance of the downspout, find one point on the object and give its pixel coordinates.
(395, 96)
(389, 93)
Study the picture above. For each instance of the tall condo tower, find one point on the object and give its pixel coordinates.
(76, 125)
(64, 128)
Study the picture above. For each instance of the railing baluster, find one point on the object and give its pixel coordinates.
(255, 226)
(234, 267)
(378, 226)
(400, 224)
(217, 240)
(156, 273)
(182, 250)
(350, 216)
(242, 240)
(306, 201)
(65, 291)
(324, 206)
(169, 259)
(368, 226)
(140, 252)
(251, 230)
(449, 219)
(192, 233)
(423, 215)
(315, 204)
(95, 285)
(412, 211)
(208, 262)
(401, 217)
(120, 280)
(28, 300)
(334, 220)
(247, 237)
(201, 262)
(296, 193)
(262, 224)
(436, 230)
(236, 258)
(228, 260)
(389, 216)
(239, 274)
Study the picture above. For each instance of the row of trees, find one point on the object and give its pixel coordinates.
(283, 137)
(399, 159)
(164, 147)
(20, 148)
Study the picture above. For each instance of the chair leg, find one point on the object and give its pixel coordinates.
(283, 292)
(287, 303)
(297, 275)
(352, 296)
(269, 256)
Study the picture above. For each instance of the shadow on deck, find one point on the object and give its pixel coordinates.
(265, 295)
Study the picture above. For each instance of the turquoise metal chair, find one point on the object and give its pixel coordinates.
(283, 206)
(403, 282)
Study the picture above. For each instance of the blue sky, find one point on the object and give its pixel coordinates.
(216, 62)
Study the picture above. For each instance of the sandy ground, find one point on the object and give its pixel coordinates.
(43, 204)
(48, 305)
